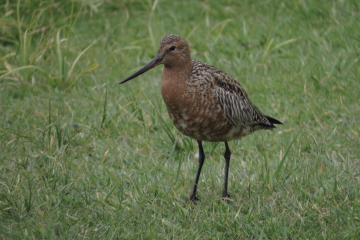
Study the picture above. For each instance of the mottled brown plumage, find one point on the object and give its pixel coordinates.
(204, 103)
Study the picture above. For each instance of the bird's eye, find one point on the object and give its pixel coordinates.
(172, 48)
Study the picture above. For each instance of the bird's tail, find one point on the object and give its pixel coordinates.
(271, 125)
(273, 120)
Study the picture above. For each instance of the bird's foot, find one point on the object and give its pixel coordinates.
(226, 198)
(192, 199)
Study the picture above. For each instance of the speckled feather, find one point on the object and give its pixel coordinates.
(234, 101)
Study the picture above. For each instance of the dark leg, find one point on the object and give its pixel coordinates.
(227, 164)
(201, 162)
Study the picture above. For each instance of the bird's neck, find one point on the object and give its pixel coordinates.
(176, 75)
(173, 85)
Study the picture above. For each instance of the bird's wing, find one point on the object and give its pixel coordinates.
(235, 102)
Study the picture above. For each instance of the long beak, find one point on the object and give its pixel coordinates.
(156, 61)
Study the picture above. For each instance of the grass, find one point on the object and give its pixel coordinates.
(85, 158)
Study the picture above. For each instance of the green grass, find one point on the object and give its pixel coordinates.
(85, 158)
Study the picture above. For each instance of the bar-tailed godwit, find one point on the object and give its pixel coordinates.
(204, 103)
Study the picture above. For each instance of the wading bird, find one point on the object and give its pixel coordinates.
(203, 102)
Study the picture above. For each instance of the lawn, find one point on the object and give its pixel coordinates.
(82, 157)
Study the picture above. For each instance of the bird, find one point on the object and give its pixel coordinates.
(203, 102)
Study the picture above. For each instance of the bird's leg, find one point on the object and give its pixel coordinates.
(201, 162)
(227, 164)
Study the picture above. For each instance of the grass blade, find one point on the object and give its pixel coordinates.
(281, 164)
